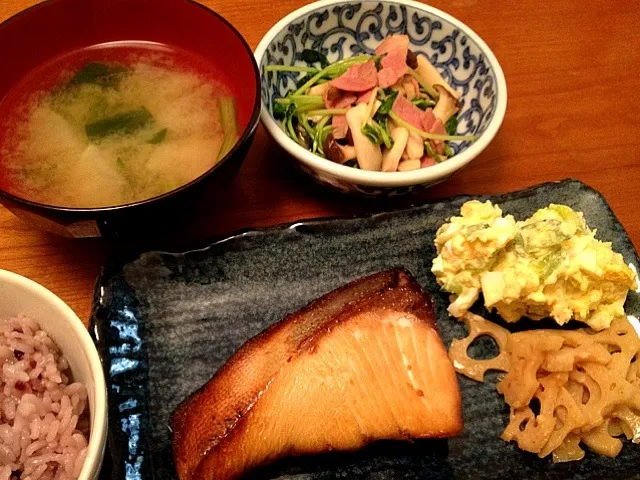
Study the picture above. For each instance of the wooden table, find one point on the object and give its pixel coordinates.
(573, 73)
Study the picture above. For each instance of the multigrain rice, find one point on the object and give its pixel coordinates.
(43, 416)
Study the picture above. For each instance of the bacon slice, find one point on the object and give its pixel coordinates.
(394, 67)
(364, 96)
(394, 42)
(427, 161)
(428, 120)
(408, 111)
(335, 98)
(358, 78)
(438, 128)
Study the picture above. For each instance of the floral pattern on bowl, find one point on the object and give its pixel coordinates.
(341, 30)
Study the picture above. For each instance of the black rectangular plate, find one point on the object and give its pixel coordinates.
(164, 323)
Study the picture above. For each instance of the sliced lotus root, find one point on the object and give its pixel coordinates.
(566, 358)
(569, 450)
(475, 368)
(527, 355)
(531, 431)
(633, 374)
(612, 390)
(587, 385)
(600, 441)
(569, 418)
(629, 422)
(578, 391)
(622, 341)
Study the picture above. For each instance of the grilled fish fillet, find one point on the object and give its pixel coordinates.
(362, 363)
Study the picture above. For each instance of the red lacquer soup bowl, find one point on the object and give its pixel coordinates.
(42, 41)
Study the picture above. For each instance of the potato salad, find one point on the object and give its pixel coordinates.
(550, 265)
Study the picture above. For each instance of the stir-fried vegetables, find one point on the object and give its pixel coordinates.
(364, 105)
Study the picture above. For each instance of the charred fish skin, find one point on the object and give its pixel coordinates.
(363, 330)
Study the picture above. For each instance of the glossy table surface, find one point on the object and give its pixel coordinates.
(573, 74)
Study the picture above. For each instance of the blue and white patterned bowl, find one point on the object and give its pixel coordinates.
(341, 29)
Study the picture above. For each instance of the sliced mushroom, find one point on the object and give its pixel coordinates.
(408, 165)
(368, 154)
(332, 93)
(372, 108)
(319, 89)
(391, 157)
(336, 152)
(349, 137)
(398, 86)
(430, 75)
(303, 136)
(447, 105)
(349, 152)
(332, 150)
(409, 88)
(415, 147)
(412, 59)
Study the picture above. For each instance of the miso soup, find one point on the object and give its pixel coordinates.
(114, 124)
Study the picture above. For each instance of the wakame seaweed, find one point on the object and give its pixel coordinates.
(158, 137)
(99, 74)
(121, 123)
